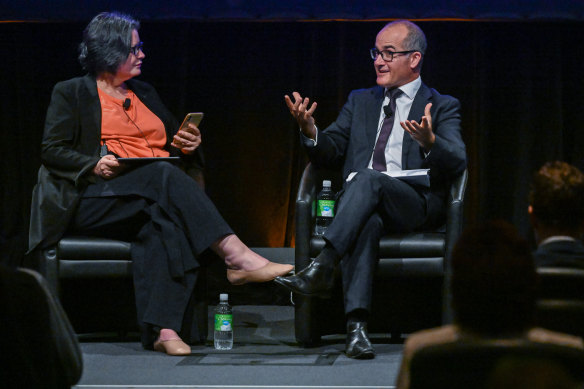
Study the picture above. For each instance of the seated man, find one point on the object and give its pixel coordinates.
(493, 296)
(556, 212)
(400, 124)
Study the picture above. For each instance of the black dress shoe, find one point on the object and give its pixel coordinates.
(358, 344)
(315, 280)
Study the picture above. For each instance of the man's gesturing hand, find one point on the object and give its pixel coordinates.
(421, 132)
(303, 115)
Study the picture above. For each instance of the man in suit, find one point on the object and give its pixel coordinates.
(556, 212)
(400, 124)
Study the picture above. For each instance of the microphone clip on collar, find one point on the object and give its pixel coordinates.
(127, 104)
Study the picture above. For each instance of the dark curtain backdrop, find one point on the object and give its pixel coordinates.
(519, 84)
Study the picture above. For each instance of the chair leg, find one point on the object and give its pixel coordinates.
(305, 324)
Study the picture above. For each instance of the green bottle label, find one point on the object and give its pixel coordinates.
(325, 208)
(223, 322)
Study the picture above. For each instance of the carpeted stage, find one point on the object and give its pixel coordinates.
(265, 355)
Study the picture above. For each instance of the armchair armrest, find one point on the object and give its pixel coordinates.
(455, 211)
(454, 217)
(304, 216)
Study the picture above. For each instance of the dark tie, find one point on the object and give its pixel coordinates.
(379, 162)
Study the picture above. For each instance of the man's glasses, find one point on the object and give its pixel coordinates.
(387, 55)
(136, 49)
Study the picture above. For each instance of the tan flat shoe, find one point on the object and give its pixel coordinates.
(264, 274)
(172, 347)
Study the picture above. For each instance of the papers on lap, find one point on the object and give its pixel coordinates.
(413, 177)
(419, 177)
(143, 160)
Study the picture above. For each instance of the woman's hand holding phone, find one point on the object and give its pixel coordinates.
(188, 137)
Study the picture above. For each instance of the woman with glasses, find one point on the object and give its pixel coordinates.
(84, 187)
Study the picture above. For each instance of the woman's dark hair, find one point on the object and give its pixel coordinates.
(106, 42)
(493, 280)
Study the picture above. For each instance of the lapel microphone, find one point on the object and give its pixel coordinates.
(386, 109)
(127, 103)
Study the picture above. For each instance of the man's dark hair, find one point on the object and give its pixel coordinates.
(415, 39)
(106, 42)
(557, 196)
(493, 280)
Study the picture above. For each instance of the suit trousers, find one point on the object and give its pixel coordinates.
(170, 222)
(371, 205)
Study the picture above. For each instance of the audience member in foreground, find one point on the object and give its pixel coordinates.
(556, 212)
(493, 295)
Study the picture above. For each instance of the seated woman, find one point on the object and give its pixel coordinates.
(84, 189)
(493, 296)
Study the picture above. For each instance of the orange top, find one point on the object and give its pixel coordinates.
(136, 132)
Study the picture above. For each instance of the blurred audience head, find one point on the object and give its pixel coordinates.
(493, 280)
(556, 205)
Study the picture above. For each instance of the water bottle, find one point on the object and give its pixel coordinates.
(223, 324)
(325, 205)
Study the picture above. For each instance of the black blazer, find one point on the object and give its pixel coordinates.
(349, 141)
(70, 150)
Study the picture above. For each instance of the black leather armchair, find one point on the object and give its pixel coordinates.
(91, 258)
(80, 257)
(410, 289)
(560, 304)
(39, 346)
(487, 365)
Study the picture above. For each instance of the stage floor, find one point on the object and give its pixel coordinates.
(265, 355)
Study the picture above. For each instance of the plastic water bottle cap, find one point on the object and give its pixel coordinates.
(326, 183)
(223, 297)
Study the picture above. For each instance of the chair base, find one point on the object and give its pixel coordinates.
(413, 304)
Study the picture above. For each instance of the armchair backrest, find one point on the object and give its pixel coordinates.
(561, 283)
(560, 301)
(468, 365)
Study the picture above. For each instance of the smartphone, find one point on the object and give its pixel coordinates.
(193, 117)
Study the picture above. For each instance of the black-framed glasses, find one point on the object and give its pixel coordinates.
(387, 55)
(136, 49)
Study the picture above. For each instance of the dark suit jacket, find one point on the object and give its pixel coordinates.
(70, 150)
(560, 254)
(349, 141)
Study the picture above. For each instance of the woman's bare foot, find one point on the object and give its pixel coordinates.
(237, 255)
(244, 265)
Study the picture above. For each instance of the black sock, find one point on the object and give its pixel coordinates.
(328, 256)
(357, 315)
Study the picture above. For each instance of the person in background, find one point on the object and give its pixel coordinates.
(493, 296)
(84, 188)
(400, 124)
(556, 213)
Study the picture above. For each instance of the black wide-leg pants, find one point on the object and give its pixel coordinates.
(170, 222)
(370, 205)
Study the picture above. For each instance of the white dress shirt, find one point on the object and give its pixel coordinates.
(393, 149)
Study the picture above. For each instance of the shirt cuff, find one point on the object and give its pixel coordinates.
(308, 142)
